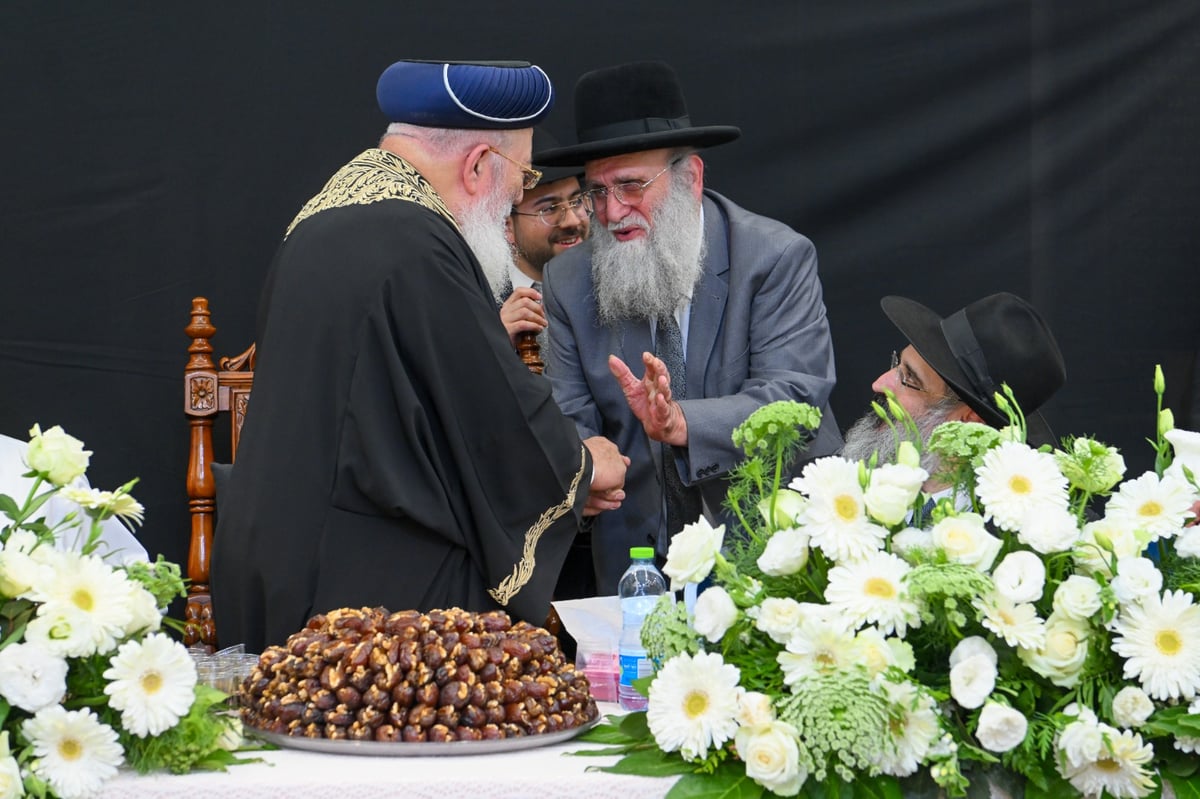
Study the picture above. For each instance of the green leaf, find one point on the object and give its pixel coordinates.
(881, 787)
(1185, 787)
(635, 726)
(726, 783)
(649, 762)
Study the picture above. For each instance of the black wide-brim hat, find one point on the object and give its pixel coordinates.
(630, 108)
(998, 339)
(543, 141)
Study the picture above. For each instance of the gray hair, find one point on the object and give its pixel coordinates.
(449, 142)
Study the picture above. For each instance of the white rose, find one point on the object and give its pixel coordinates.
(1100, 540)
(755, 709)
(786, 553)
(1187, 543)
(11, 786)
(1048, 528)
(58, 457)
(965, 540)
(1077, 597)
(772, 757)
(1061, 657)
(715, 613)
(1081, 742)
(1131, 707)
(892, 490)
(779, 617)
(693, 552)
(1000, 727)
(972, 680)
(911, 540)
(30, 677)
(971, 646)
(1020, 577)
(789, 505)
(1137, 579)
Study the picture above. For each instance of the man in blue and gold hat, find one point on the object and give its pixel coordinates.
(396, 453)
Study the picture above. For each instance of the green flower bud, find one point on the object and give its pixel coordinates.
(1166, 421)
(1160, 383)
(907, 455)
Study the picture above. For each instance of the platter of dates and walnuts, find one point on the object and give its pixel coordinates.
(447, 682)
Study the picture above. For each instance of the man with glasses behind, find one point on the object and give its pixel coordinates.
(681, 315)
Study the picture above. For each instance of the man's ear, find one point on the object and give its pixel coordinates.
(474, 169)
(969, 415)
(508, 231)
(696, 167)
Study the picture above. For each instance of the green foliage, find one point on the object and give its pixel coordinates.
(193, 743)
(162, 578)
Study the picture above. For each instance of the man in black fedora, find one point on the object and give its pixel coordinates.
(953, 367)
(681, 315)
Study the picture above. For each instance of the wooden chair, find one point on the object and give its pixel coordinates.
(209, 390)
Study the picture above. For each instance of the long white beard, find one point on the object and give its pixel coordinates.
(482, 225)
(653, 275)
(869, 435)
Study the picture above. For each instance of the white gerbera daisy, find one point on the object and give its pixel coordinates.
(1014, 479)
(818, 647)
(694, 704)
(1018, 625)
(871, 591)
(1120, 770)
(911, 731)
(90, 587)
(152, 683)
(836, 514)
(1160, 641)
(1159, 507)
(74, 752)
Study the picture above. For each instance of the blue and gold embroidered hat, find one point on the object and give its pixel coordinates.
(496, 95)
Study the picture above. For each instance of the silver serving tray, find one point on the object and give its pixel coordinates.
(334, 746)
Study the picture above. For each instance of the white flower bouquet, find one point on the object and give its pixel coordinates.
(88, 681)
(1040, 622)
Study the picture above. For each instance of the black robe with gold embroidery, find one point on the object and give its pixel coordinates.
(395, 452)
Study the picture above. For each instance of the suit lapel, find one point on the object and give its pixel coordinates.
(708, 301)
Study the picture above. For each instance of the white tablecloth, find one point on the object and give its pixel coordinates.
(543, 772)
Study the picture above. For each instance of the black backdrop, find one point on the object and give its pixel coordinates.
(941, 149)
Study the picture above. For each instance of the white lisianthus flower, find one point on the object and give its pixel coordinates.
(74, 752)
(910, 541)
(1020, 577)
(144, 611)
(693, 704)
(715, 613)
(11, 784)
(786, 552)
(892, 490)
(1015, 479)
(1160, 641)
(789, 505)
(1049, 529)
(971, 646)
(1131, 707)
(972, 680)
(30, 677)
(1187, 543)
(56, 456)
(779, 617)
(1060, 659)
(1102, 541)
(1159, 507)
(693, 552)
(965, 540)
(1081, 741)
(871, 591)
(772, 757)
(1137, 579)
(911, 731)
(1077, 597)
(836, 514)
(755, 709)
(1001, 727)
(1018, 625)
(152, 683)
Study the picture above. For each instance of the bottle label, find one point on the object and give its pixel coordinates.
(633, 667)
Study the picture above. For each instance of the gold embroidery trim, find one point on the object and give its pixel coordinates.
(374, 176)
(514, 582)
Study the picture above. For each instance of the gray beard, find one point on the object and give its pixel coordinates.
(653, 275)
(482, 225)
(869, 435)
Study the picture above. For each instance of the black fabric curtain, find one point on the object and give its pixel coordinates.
(941, 150)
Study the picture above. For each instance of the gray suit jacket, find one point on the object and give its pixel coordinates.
(757, 333)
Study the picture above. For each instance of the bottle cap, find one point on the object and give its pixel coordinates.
(641, 553)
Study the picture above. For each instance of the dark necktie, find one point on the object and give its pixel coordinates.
(683, 503)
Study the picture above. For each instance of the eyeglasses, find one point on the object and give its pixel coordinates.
(630, 192)
(908, 382)
(531, 175)
(553, 215)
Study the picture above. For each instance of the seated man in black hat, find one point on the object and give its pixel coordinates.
(953, 367)
(717, 310)
(396, 453)
(549, 220)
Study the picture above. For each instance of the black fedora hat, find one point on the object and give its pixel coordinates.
(543, 140)
(998, 339)
(629, 108)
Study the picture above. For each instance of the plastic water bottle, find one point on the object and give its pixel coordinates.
(639, 590)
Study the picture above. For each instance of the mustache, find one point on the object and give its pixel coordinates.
(630, 222)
